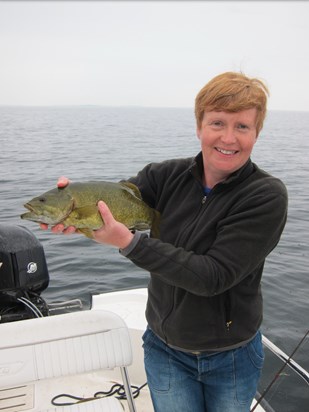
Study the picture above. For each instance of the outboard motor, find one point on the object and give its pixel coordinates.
(23, 274)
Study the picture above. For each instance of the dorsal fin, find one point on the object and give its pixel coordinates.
(134, 189)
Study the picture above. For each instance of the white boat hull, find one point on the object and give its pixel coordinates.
(38, 393)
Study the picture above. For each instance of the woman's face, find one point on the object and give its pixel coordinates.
(227, 140)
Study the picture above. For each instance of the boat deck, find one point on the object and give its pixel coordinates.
(86, 354)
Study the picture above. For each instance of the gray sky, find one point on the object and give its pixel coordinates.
(151, 53)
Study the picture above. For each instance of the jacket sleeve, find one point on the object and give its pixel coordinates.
(244, 238)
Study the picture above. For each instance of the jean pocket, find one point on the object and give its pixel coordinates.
(157, 365)
(248, 363)
(148, 341)
(256, 351)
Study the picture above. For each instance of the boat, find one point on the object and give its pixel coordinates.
(61, 357)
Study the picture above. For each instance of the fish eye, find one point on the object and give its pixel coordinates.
(42, 199)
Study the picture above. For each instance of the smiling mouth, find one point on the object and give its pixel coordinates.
(226, 152)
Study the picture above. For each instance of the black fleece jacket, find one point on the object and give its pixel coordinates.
(204, 293)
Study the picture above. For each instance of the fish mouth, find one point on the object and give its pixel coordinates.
(29, 215)
(29, 207)
(42, 216)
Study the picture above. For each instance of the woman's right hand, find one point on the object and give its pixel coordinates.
(62, 182)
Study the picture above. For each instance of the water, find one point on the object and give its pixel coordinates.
(39, 144)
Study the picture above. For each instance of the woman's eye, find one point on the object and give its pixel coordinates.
(217, 123)
(242, 126)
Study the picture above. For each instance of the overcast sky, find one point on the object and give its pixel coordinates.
(149, 53)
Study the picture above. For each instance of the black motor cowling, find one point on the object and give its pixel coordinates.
(23, 274)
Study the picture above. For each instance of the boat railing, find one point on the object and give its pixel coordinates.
(286, 359)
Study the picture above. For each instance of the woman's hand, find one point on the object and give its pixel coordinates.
(112, 232)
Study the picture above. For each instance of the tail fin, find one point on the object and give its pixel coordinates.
(155, 227)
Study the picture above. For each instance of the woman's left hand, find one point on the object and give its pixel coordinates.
(112, 232)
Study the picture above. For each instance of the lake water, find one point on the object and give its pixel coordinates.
(39, 144)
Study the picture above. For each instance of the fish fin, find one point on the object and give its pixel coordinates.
(155, 227)
(139, 226)
(133, 188)
(86, 231)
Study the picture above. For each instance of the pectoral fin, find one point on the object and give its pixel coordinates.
(84, 212)
(85, 231)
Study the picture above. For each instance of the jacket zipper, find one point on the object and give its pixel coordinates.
(203, 201)
(227, 307)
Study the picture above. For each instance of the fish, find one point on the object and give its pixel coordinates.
(76, 205)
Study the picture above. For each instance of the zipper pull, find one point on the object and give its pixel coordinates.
(204, 200)
(228, 324)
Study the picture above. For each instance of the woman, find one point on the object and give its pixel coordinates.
(221, 215)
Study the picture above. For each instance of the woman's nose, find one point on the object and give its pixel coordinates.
(228, 136)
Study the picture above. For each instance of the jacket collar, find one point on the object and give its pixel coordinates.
(197, 169)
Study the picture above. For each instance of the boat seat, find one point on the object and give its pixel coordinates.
(47, 348)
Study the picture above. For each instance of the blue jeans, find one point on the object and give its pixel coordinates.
(209, 382)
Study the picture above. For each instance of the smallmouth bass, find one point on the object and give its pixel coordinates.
(76, 205)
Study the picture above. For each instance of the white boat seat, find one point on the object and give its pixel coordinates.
(61, 345)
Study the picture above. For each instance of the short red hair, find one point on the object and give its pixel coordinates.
(232, 92)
